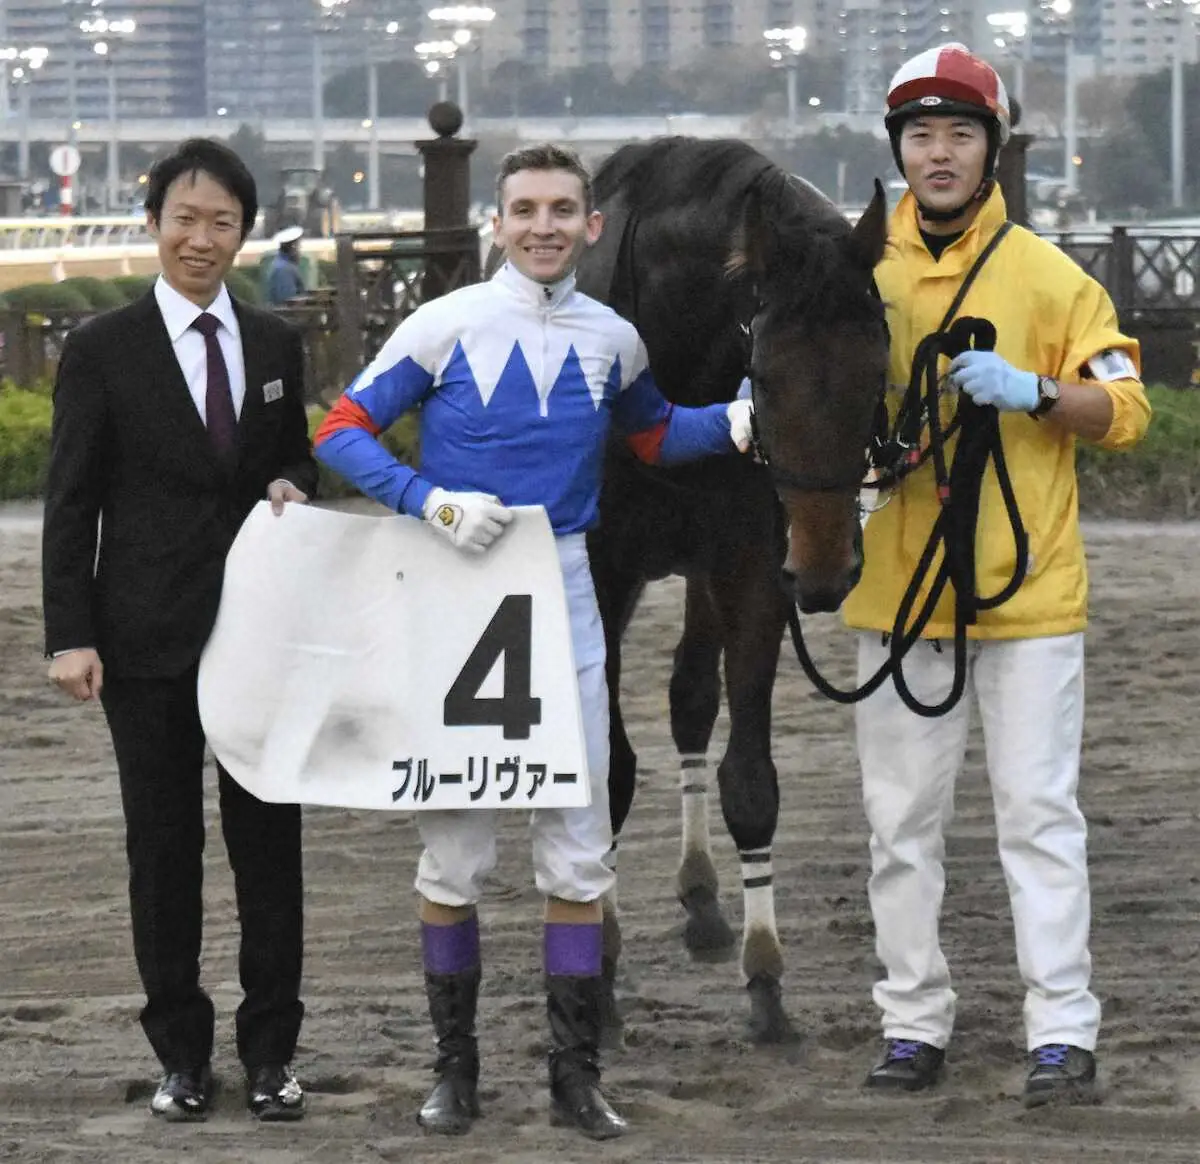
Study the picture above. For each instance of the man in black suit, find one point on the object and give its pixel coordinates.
(172, 418)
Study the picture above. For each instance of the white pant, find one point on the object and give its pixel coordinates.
(1030, 697)
(569, 844)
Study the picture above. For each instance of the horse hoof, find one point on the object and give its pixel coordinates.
(706, 933)
(769, 1023)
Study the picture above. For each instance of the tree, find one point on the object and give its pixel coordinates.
(1122, 172)
(404, 91)
(1150, 113)
(821, 158)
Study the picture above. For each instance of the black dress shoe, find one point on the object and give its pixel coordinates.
(273, 1093)
(1060, 1073)
(184, 1097)
(907, 1065)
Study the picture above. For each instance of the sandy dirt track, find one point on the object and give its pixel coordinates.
(76, 1073)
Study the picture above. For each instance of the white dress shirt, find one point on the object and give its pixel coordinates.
(179, 314)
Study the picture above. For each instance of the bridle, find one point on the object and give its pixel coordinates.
(790, 479)
(948, 558)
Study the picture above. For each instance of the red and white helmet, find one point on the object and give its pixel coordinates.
(948, 80)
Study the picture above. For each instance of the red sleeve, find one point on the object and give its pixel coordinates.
(346, 413)
(647, 445)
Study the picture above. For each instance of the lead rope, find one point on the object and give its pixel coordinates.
(958, 492)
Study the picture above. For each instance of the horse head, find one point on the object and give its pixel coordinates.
(817, 356)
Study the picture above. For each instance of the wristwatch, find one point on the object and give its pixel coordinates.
(1049, 391)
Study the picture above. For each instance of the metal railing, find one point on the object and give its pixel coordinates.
(1143, 269)
(382, 278)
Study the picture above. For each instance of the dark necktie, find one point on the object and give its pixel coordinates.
(218, 399)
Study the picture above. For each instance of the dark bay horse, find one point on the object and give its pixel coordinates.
(729, 267)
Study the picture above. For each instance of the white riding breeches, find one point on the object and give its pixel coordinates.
(569, 844)
(1030, 698)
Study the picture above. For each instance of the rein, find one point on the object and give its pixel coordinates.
(958, 491)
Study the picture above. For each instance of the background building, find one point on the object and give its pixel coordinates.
(254, 59)
(260, 55)
(159, 70)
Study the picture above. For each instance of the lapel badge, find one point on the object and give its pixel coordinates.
(273, 390)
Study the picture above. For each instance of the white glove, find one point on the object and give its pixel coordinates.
(470, 521)
(741, 432)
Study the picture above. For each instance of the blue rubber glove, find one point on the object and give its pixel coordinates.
(990, 379)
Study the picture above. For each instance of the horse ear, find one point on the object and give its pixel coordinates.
(869, 236)
(753, 240)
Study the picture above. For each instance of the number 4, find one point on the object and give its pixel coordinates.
(510, 633)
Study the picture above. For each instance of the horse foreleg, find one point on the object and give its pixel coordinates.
(754, 618)
(695, 697)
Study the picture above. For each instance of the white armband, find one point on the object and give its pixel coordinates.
(1111, 364)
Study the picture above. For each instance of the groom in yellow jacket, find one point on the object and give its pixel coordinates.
(1061, 370)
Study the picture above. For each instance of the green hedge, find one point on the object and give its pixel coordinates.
(133, 286)
(400, 439)
(243, 284)
(101, 294)
(47, 297)
(24, 442)
(1159, 479)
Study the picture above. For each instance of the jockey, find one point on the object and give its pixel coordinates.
(518, 380)
(1061, 371)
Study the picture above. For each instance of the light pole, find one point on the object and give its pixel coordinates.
(105, 35)
(326, 20)
(20, 64)
(1182, 11)
(75, 10)
(391, 29)
(1010, 34)
(464, 22)
(435, 55)
(784, 46)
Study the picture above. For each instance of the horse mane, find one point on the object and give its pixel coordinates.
(808, 266)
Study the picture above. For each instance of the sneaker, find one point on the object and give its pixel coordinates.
(907, 1065)
(1060, 1073)
(273, 1093)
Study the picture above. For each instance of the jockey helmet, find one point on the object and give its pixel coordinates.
(950, 81)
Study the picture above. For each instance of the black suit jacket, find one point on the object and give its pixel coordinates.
(129, 451)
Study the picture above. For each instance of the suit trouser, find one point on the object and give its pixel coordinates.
(570, 845)
(159, 745)
(1030, 698)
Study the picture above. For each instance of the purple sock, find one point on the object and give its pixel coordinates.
(573, 951)
(451, 949)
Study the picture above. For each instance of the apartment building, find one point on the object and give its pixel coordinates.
(159, 70)
(630, 34)
(260, 53)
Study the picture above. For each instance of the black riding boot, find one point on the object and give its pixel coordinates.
(453, 1104)
(574, 1007)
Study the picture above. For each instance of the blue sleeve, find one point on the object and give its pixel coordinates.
(397, 380)
(693, 433)
(358, 456)
(683, 434)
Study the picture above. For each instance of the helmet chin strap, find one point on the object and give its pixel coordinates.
(930, 214)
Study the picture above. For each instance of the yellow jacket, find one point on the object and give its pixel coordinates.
(1051, 318)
